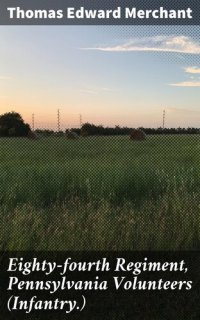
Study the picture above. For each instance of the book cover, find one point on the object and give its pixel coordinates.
(99, 159)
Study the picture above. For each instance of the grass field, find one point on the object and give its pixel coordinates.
(106, 193)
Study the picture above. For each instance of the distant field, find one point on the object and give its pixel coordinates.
(106, 193)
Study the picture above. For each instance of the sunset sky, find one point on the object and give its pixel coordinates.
(110, 75)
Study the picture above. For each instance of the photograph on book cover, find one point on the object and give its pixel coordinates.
(100, 138)
(99, 160)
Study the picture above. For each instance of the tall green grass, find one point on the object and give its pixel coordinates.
(100, 193)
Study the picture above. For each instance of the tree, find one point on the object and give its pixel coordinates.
(12, 125)
(88, 129)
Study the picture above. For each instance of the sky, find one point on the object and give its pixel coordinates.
(110, 75)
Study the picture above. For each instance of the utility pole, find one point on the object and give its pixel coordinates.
(33, 122)
(58, 120)
(81, 122)
(163, 119)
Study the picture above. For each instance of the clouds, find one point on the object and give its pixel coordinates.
(186, 84)
(173, 44)
(193, 70)
(194, 80)
(95, 90)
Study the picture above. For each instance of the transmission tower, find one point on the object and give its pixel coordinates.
(33, 121)
(81, 122)
(58, 120)
(164, 115)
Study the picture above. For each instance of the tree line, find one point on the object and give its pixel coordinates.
(88, 129)
(92, 129)
(12, 125)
